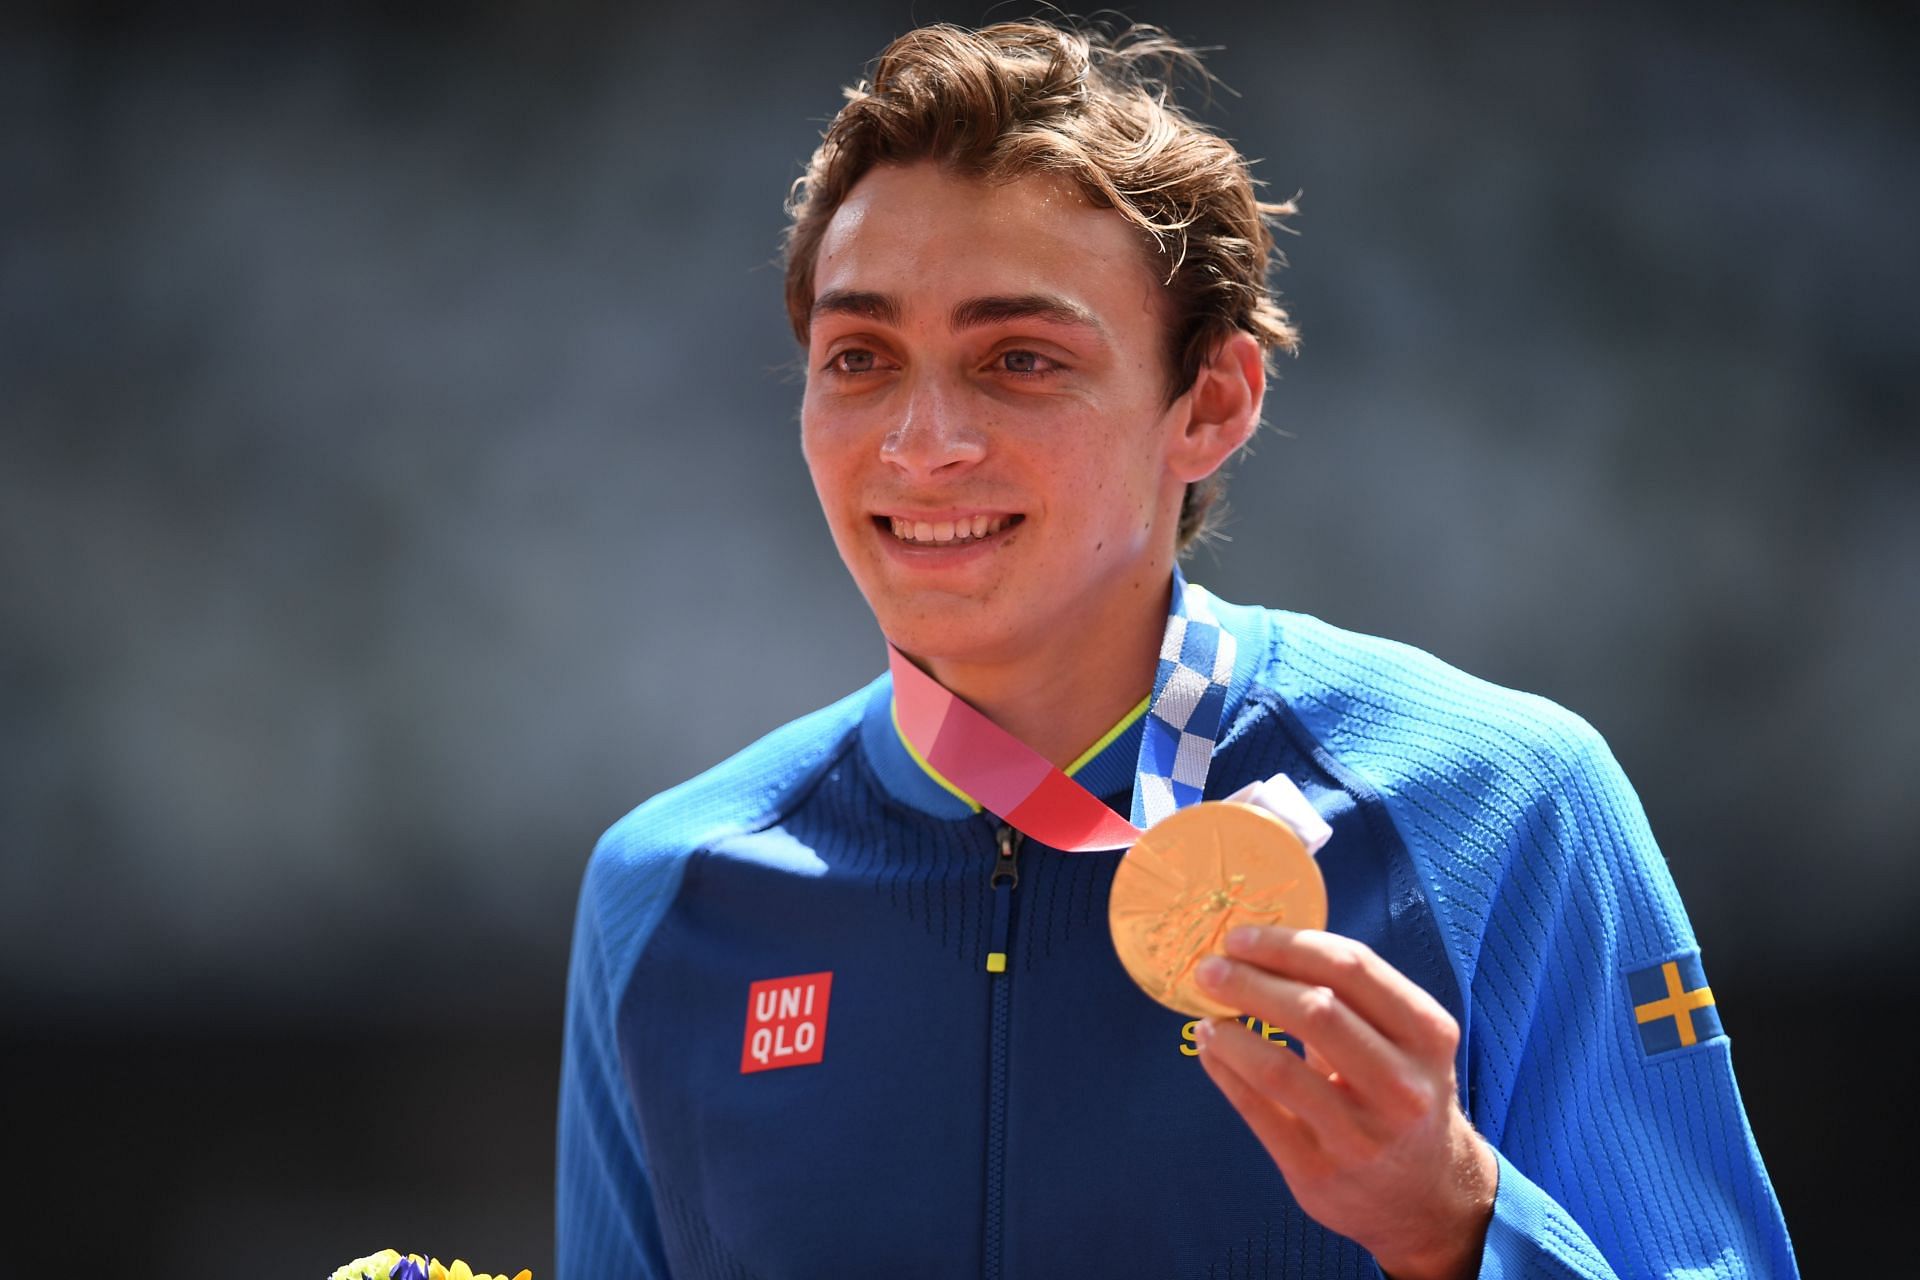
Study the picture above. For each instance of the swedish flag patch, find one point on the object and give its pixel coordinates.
(1673, 1005)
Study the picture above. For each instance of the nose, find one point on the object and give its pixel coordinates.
(935, 434)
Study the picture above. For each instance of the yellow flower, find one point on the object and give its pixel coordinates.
(460, 1271)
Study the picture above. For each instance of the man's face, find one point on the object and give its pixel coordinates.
(985, 414)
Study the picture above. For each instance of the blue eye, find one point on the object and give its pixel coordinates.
(853, 360)
(1025, 362)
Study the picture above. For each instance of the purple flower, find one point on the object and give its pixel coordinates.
(407, 1269)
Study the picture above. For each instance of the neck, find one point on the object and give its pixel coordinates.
(1061, 695)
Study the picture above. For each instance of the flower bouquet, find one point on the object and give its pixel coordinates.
(388, 1265)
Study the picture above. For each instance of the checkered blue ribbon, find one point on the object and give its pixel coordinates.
(1189, 696)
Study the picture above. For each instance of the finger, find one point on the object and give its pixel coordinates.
(1285, 1136)
(1277, 1075)
(1389, 1000)
(1366, 1061)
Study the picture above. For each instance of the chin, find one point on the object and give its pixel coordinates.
(946, 629)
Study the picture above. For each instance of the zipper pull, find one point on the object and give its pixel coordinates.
(1003, 881)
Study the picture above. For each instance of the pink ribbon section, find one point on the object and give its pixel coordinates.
(1003, 774)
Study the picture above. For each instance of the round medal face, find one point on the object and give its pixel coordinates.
(1196, 874)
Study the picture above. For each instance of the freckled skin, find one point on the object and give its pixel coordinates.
(910, 413)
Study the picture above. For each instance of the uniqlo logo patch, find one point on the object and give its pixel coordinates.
(786, 1022)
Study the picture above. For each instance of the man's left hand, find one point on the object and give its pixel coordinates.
(1367, 1129)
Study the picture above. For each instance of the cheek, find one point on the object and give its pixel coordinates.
(824, 462)
(1111, 474)
(837, 484)
(835, 439)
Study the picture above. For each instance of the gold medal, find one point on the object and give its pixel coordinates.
(1194, 875)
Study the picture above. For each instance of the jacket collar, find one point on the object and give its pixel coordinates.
(1107, 769)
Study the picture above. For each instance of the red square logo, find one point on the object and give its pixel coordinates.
(786, 1022)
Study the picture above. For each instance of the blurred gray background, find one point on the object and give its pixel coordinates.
(399, 480)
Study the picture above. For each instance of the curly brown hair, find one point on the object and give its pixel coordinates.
(1018, 98)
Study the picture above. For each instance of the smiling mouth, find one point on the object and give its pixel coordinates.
(946, 533)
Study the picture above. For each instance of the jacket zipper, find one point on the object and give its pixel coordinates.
(1005, 878)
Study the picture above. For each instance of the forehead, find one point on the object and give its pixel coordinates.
(929, 237)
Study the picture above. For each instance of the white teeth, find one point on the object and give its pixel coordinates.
(965, 529)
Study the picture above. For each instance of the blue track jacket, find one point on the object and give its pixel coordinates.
(786, 1054)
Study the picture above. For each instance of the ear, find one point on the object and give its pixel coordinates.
(1222, 407)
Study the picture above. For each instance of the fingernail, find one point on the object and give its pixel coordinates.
(1203, 1034)
(1211, 972)
(1244, 937)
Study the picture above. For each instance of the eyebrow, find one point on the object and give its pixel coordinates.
(973, 313)
(856, 302)
(976, 312)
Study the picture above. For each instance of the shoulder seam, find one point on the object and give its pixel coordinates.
(782, 803)
(1378, 810)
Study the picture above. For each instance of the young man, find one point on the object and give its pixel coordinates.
(828, 1017)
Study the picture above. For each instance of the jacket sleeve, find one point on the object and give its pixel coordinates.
(605, 1224)
(1624, 1148)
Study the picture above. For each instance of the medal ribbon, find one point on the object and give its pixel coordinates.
(1018, 785)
